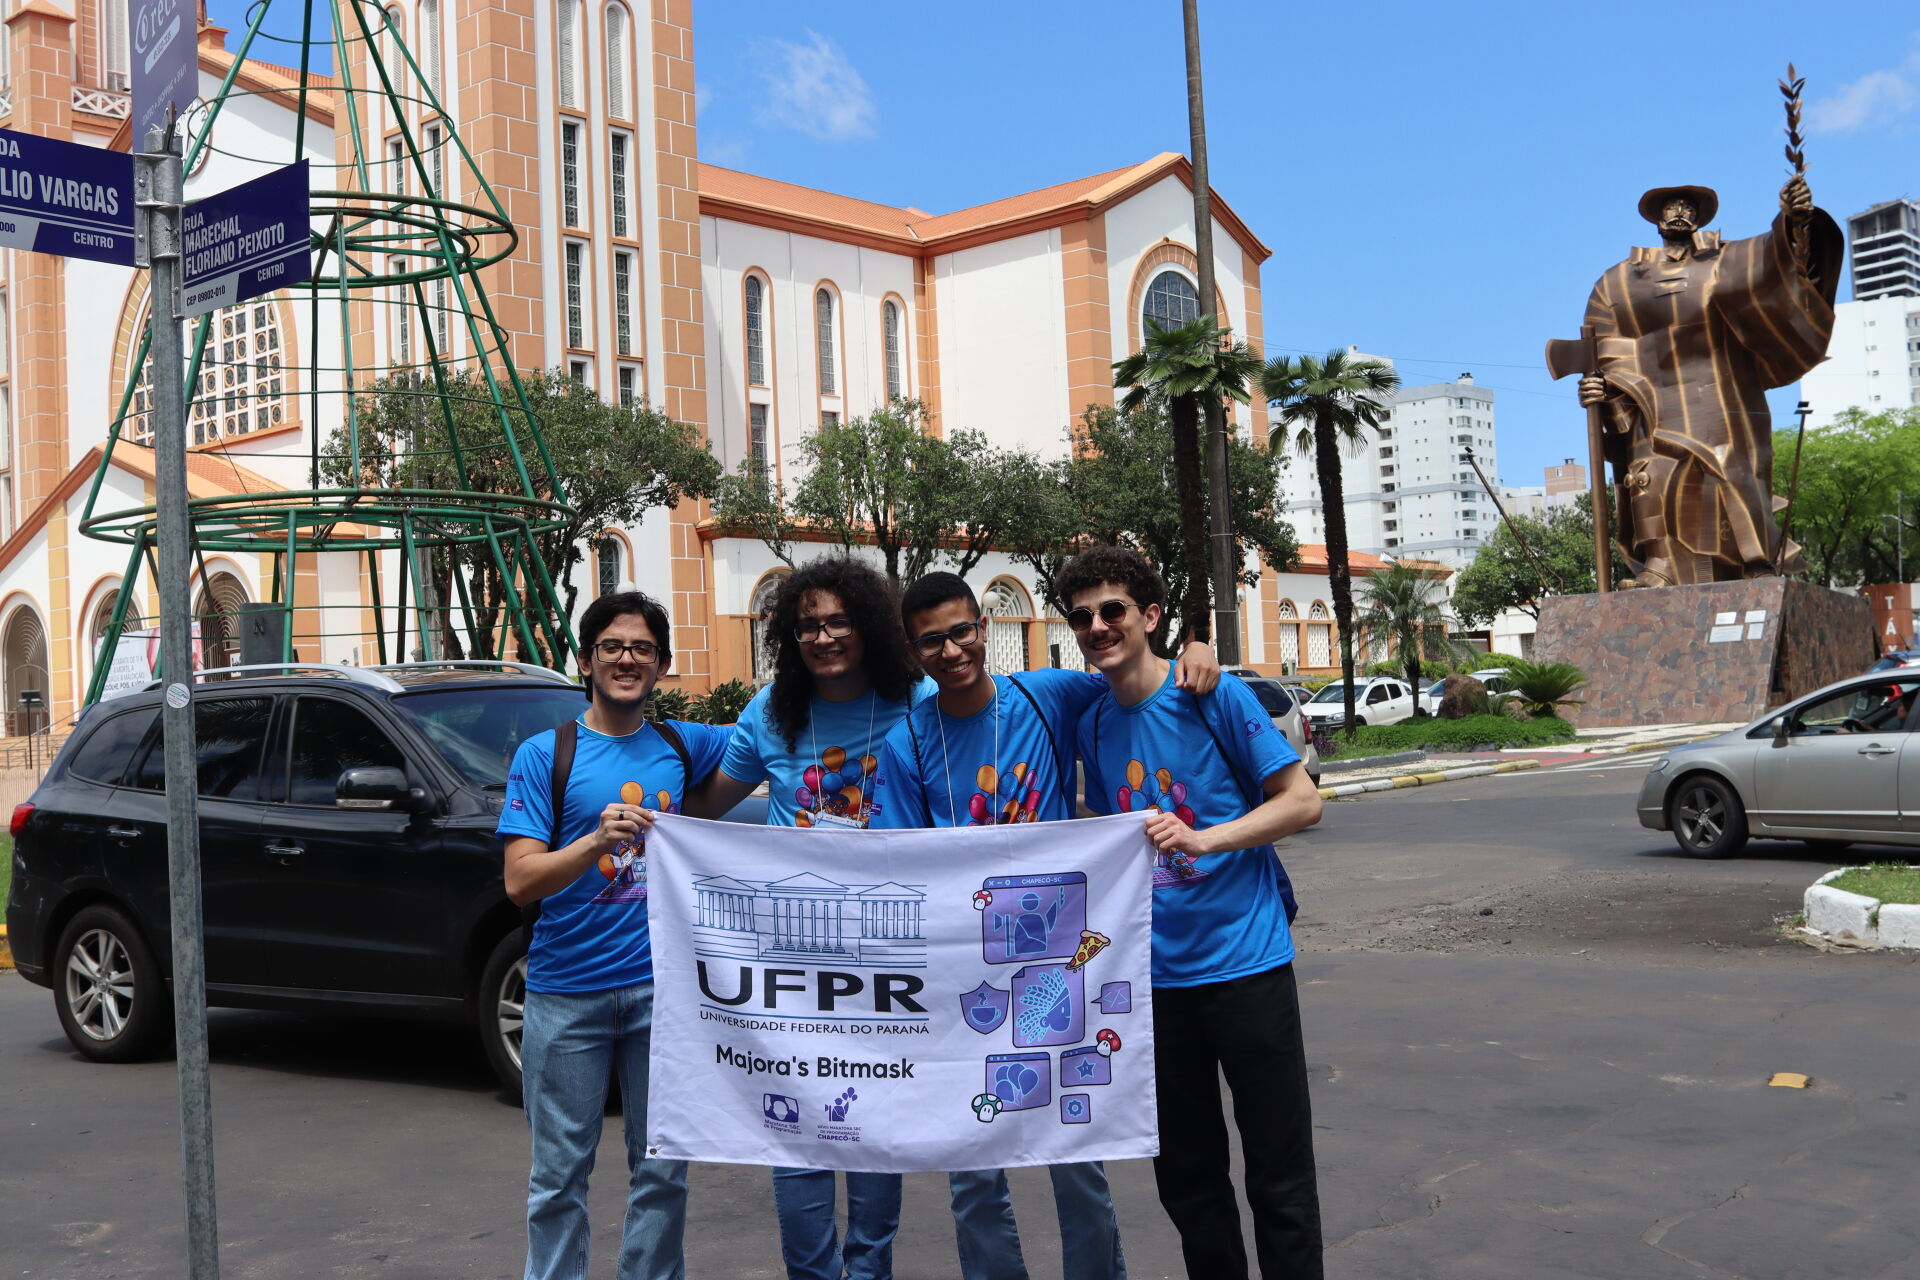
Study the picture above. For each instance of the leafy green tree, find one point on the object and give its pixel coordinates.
(877, 481)
(614, 464)
(1182, 369)
(1117, 491)
(1402, 608)
(1328, 403)
(1856, 477)
(1504, 576)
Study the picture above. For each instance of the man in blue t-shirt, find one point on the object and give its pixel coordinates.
(1221, 786)
(842, 679)
(589, 1003)
(990, 749)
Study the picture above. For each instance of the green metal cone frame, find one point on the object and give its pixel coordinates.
(426, 462)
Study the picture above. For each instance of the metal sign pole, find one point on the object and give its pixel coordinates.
(158, 196)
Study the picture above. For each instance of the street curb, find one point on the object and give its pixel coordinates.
(1856, 920)
(1373, 762)
(1424, 779)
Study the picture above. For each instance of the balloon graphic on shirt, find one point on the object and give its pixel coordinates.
(666, 801)
(1020, 772)
(868, 764)
(1184, 814)
(1178, 792)
(852, 796)
(1125, 797)
(632, 793)
(1164, 778)
(812, 776)
(803, 796)
(832, 782)
(978, 808)
(987, 779)
(1136, 774)
(1032, 810)
(833, 758)
(1141, 801)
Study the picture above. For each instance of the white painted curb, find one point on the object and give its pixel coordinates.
(1424, 779)
(1854, 917)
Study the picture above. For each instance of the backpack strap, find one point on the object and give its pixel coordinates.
(1060, 766)
(670, 734)
(1255, 797)
(566, 740)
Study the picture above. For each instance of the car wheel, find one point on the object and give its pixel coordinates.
(501, 1003)
(1359, 722)
(1707, 818)
(113, 1003)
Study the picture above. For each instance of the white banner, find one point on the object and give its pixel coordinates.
(906, 1001)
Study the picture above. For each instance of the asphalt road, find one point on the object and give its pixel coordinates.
(1572, 1084)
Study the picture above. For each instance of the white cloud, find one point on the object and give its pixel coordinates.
(1877, 98)
(813, 89)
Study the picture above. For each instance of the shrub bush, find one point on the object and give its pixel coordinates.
(1488, 662)
(724, 704)
(1465, 734)
(669, 704)
(1542, 688)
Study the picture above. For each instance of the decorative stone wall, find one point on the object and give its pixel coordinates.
(1717, 651)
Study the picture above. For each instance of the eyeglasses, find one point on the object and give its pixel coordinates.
(643, 652)
(1111, 612)
(934, 641)
(838, 627)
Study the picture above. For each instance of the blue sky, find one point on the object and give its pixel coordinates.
(1439, 183)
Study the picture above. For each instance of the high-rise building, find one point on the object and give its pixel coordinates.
(1873, 360)
(1885, 246)
(1567, 477)
(1411, 491)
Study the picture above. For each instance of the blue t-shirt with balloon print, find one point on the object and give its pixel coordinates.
(1004, 763)
(1221, 916)
(825, 778)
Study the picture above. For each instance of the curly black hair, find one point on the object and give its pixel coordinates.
(870, 605)
(1118, 566)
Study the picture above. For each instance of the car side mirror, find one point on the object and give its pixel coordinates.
(373, 787)
(1782, 726)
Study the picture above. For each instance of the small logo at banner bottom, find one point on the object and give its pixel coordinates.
(779, 1108)
(1076, 1108)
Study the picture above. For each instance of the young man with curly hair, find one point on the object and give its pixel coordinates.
(1221, 785)
(991, 749)
(841, 681)
(589, 1003)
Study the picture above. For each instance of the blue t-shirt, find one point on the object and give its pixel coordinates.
(826, 777)
(1222, 916)
(1007, 762)
(592, 935)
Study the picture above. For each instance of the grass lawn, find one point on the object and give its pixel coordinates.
(1887, 881)
(1434, 734)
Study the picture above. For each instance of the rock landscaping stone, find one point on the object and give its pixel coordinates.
(1899, 925)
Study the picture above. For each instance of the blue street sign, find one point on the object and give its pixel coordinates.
(65, 198)
(248, 240)
(166, 61)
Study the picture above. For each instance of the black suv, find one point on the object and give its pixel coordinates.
(348, 859)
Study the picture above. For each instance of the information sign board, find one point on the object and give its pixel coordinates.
(248, 240)
(166, 61)
(65, 198)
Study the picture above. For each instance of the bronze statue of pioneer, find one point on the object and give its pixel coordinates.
(1679, 347)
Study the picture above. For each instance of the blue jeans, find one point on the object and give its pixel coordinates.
(804, 1200)
(990, 1244)
(569, 1045)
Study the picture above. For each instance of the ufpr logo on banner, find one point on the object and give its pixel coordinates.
(908, 1001)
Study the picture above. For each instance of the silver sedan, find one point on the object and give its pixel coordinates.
(1838, 766)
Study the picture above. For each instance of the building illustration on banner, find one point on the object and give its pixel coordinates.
(809, 917)
(1039, 922)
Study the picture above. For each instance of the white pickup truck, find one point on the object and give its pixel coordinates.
(1376, 700)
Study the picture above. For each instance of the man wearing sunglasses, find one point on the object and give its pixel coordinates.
(990, 749)
(589, 1003)
(1218, 786)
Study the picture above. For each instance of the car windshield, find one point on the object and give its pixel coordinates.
(479, 728)
(1332, 693)
(1433, 690)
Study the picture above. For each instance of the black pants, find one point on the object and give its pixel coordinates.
(1249, 1029)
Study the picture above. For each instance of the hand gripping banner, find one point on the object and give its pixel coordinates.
(901, 1001)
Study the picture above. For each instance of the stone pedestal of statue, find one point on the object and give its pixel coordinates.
(1714, 651)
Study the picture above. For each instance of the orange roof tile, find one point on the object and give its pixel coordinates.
(208, 474)
(809, 203)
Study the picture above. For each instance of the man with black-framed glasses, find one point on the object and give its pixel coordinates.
(578, 804)
(991, 749)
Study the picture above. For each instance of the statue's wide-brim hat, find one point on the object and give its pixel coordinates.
(1703, 199)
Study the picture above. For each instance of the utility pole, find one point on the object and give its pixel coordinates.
(158, 196)
(1226, 586)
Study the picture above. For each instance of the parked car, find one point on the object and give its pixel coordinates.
(1376, 700)
(347, 849)
(1280, 704)
(1896, 658)
(1826, 769)
(1495, 678)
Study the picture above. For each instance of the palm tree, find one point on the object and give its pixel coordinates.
(1400, 608)
(1327, 402)
(1185, 367)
